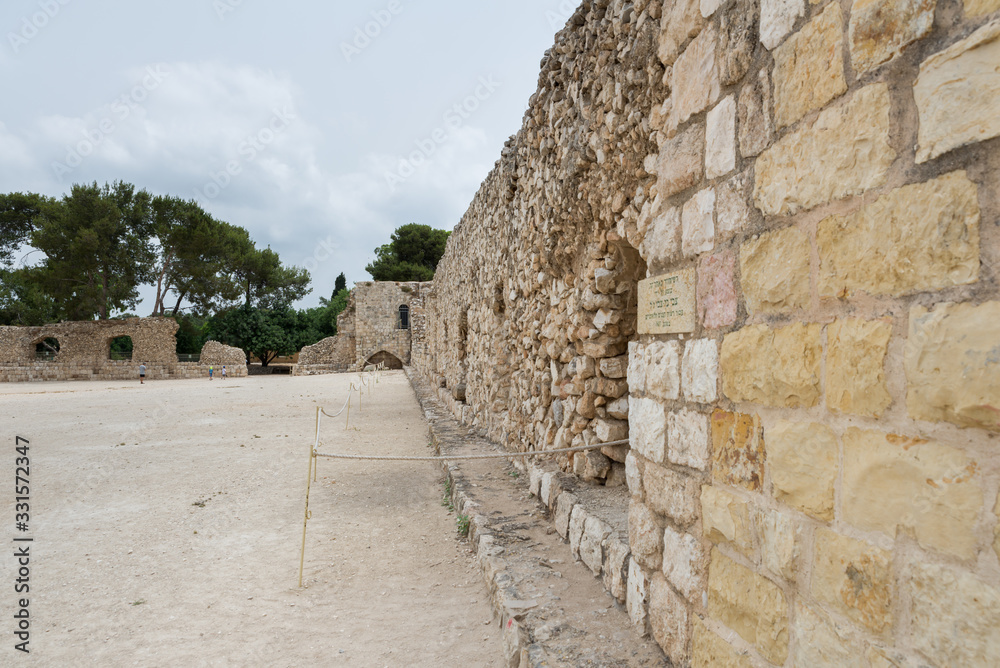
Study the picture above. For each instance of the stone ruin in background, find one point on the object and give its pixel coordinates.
(383, 322)
(82, 351)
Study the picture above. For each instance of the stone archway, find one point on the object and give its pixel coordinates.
(389, 360)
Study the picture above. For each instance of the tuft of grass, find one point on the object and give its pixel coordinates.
(139, 602)
(462, 524)
(446, 499)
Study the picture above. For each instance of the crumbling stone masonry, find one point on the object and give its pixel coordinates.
(383, 322)
(84, 349)
(814, 470)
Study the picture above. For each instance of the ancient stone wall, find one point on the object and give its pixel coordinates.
(84, 352)
(814, 469)
(370, 326)
(90, 342)
(217, 354)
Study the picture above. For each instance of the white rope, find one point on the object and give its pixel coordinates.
(350, 391)
(497, 455)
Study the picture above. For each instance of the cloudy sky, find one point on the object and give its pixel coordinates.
(318, 126)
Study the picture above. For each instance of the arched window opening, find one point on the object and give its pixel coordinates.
(404, 317)
(120, 349)
(47, 349)
(387, 359)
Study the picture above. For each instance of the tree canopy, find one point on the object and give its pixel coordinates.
(99, 244)
(195, 257)
(412, 254)
(98, 248)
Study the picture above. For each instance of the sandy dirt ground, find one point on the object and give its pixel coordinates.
(167, 521)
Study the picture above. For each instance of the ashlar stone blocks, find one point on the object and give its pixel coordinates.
(952, 367)
(725, 518)
(637, 595)
(663, 369)
(803, 459)
(716, 291)
(684, 562)
(819, 642)
(956, 94)
(738, 452)
(680, 21)
(698, 223)
(681, 162)
(756, 126)
(670, 493)
(849, 151)
(749, 604)
(647, 428)
(954, 616)
(695, 81)
(854, 578)
(777, 18)
(780, 540)
(711, 651)
(881, 29)
(923, 236)
(809, 67)
(774, 367)
(668, 618)
(720, 140)
(893, 482)
(775, 271)
(855, 377)
(700, 371)
(687, 439)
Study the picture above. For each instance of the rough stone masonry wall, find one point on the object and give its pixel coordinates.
(534, 300)
(84, 349)
(815, 470)
(369, 326)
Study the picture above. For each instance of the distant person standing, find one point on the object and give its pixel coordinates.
(223, 372)
(142, 374)
(211, 370)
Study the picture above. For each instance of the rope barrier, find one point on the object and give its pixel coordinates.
(496, 455)
(314, 455)
(313, 472)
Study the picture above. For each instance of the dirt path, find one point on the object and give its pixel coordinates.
(167, 521)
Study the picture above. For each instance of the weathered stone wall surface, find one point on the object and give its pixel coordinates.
(370, 326)
(814, 470)
(84, 352)
(153, 340)
(219, 354)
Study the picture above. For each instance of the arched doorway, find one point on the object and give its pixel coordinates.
(388, 360)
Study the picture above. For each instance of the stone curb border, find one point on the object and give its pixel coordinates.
(591, 541)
